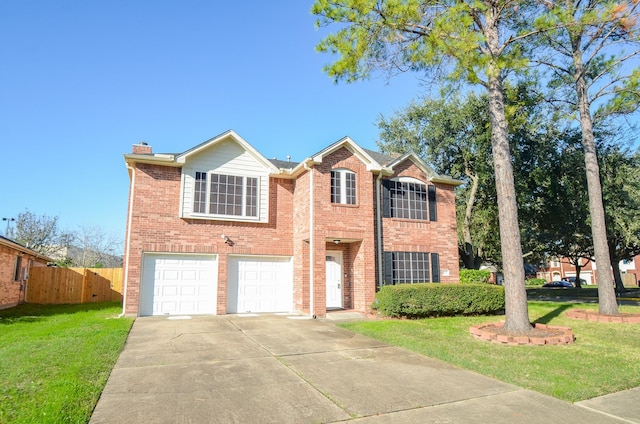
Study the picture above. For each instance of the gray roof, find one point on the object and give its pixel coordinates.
(381, 158)
(14, 244)
(285, 164)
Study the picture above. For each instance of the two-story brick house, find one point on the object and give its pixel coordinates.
(221, 229)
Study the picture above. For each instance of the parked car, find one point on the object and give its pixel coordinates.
(572, 280)
(559, 284)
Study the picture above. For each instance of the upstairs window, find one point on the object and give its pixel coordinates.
(409, 200)
(343, 187)
(229, 195)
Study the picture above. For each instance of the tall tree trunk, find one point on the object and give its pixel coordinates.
(468, 257)
(606, 294)
(516, 308)
(617, 276)
(578, 283)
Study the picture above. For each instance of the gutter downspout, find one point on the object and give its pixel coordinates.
(128, 245)
(311, 243)
(379, 229)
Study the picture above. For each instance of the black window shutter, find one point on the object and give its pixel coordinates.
(388, 268)
(386, 199)
(433, 215)
(435, 268)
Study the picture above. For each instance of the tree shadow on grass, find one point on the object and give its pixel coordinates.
(546, 318)
(30, 312)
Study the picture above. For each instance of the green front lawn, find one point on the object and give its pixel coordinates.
(55, 360)
(603, 359)
(589, 292)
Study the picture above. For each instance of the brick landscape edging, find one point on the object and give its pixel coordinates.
(595, 316)
(488, 332)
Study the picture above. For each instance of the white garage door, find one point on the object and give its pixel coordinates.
(584, 275)
(178, 284)
(260, 284)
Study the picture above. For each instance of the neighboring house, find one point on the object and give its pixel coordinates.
(15, 261)
(89, 258)
(221, 229)
(560, 268)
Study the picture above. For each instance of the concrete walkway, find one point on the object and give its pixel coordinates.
(279, 369)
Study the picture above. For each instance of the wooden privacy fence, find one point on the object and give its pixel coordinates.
(74, 285)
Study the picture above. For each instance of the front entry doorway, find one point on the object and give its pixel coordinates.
(334, 280)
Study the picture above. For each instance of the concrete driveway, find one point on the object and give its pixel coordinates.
(288, 369)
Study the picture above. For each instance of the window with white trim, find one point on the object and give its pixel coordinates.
(227, 195)
(343, 187)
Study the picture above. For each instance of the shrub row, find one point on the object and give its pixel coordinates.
(474, 276)
(434, 300)
(535, 281)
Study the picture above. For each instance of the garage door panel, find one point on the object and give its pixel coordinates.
(168, 291)
(188, 291)
(260, 284)
(178, 284)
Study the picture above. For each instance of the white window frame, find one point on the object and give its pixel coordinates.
(243, 206)
(344, 197)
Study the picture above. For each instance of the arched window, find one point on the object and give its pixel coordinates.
(343, 187)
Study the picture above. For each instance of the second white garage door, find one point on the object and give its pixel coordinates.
(260, 284)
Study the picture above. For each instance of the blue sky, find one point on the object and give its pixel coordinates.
(81, 81)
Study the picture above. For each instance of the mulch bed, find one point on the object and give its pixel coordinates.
(595, 316)
(540, 335)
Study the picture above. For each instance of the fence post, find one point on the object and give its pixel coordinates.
(85, 289)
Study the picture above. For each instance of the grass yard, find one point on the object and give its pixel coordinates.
(589, 292)
(55, 360)
(603, 359)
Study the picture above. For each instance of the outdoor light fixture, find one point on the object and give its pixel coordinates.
(9, 220)
(337, 241)
(227, 240)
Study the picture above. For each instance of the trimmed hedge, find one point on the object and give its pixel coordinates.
(474, 276)
(435, 300)
(535, 281)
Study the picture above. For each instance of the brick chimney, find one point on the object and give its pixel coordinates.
(141, 149)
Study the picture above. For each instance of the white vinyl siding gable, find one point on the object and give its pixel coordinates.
(225, 158)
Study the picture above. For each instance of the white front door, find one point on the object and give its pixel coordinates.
(334, 279)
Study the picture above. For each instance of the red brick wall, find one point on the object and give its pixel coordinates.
(10, 293)
(156, 227)
(301, 244)
(354, 225)
(406, 235)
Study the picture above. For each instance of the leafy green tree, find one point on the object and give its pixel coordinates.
(620, 171)
(468, 41)
(454, 136)
(561, 228)
(585, 44)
